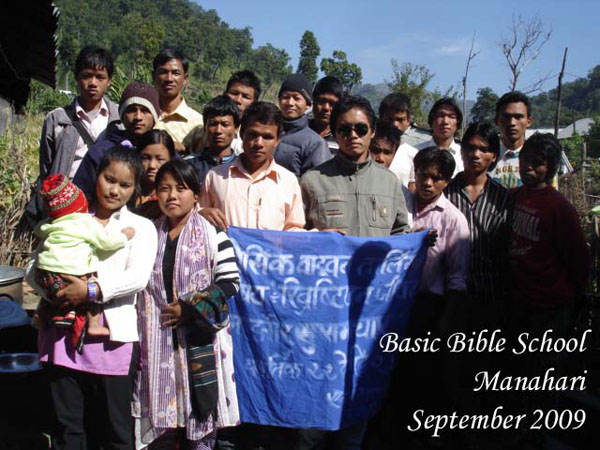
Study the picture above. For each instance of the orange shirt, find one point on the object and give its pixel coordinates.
(271, 200)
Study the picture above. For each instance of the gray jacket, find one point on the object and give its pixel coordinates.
(300, 147)
(59, 139)
(363, 199)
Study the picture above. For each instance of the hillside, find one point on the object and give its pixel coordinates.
(580, 98)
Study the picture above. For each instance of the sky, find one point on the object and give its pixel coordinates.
(434, 33)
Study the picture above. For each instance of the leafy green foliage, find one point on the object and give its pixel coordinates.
(309, 52)
(338, 66)
(580, 98)
(120, 80)
(135, 30)
(485, 105)
(412, 80)
(43, 99)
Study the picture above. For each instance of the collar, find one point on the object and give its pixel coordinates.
(183, 111)
(440, 204)
(271, 171)
(213, 161)
(506, 153)
(350, 166)
(454, 148)
(82, 113)
(291, 126)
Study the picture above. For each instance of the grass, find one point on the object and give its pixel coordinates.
(18, 171)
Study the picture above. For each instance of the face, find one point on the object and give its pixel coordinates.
(242, 95)
(430, 184)
(170, 79)
(476, 155)
(513, 121)
(293, 105)
(323, 106)
(259, 143)
(400, 119)
(353, 134)
(220, 131)
(175, 199)
(445, 122)
(115, 186)
(382, 151)
(138, 119)
(153, 157)
(533, 170)
(92, 83)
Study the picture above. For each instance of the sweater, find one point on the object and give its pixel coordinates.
(300, 148)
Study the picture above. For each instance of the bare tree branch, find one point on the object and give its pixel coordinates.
(470, 57)
(523, 45)
(538, 84)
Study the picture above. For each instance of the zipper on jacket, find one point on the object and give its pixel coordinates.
(374, 202)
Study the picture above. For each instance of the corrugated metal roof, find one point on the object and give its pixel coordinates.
(27, 47)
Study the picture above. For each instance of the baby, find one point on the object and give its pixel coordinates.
(70, 243)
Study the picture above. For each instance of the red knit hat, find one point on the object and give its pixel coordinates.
(62, 197)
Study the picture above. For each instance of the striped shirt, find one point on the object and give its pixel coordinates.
(489, 227)
(226, 274)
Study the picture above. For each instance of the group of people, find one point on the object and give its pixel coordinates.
(135, 267)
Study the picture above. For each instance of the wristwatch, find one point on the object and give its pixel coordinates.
(92, 289)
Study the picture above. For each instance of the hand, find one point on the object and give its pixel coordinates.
(129, 232)
(171, 315)
(431, 237)
(74, 293)
(215, 216)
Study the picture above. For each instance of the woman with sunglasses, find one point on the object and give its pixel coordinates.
(350, 192)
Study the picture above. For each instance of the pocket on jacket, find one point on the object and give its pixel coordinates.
(381, 212)
(333, 211)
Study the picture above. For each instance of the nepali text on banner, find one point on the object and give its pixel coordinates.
(307, 322)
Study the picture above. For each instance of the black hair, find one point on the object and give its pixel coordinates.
(94, 56)
(394, 102)
(221, 105)
(126, 155)
(449, 102)
(263, 112)
(547, 147)
(513, 97)
(387, 130)
(183, 173)
(346, 104)
(157, 137)
(433, 156)
(488, 132)
(247, 78)
(167, 54)
(328, 85)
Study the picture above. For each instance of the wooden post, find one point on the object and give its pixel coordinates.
(560, 77)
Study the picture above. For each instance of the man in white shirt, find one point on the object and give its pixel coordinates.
(386, 149)
(395, 108)
(445, 118)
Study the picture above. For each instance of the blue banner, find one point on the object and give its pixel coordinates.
(307, 322)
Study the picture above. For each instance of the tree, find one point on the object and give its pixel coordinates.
(522, 46)
(309, 52)
(471, 56)
(271, 64)
(485, 105)
(338, 66)
(412, 80)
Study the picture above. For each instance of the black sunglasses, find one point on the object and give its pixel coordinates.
(360, 128)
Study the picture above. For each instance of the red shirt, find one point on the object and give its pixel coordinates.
(549, 258)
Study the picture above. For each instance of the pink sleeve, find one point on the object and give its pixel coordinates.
(457, 253)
